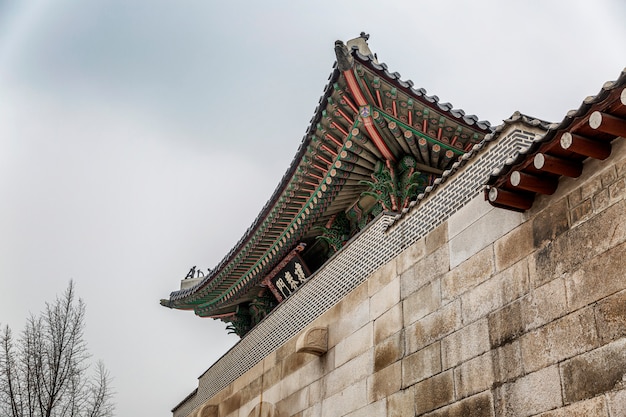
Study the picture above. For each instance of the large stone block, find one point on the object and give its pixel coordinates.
(507, 362)
(482, 233)
(601, 200)
(208, 411)
(506, 324)
(514, 246)
(530, 394)
(559, 340)
(466, 343)
(479, 405)
(388, 324)
(354, 345)
(496, 292)
(383, 276)
(580, 244)
(349, 317)
(421, 365)
(544, 304)
(595, 407)
(617, 190)
(379, 408)
(384, 382)
(474, 376)
(349, 399)
(434, 392)
(591, 187)
(251, 390)
(230, 404)
(433, 327)
(468, 215)
(388, 351)
(617, 403)
(314, 411)
(597, 278)
(581, 212)
(385, 298)
(437, 238)
(611, 317)
(401, 403)
(470, 273)
(316, 390)
(350, 373)
(595, 372)
(550, 223)
(294, 362)
(410, 256)
(424, 271)
(294, 403)
(422, 302)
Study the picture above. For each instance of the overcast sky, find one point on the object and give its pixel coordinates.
(140, 138)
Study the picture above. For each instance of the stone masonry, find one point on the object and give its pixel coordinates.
(494, 313)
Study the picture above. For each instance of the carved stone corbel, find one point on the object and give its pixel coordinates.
(314, 341)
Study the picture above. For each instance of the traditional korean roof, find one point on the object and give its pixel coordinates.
(374, 144)
(586, 132)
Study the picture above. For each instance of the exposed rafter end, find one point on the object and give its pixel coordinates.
(533, 183)
(509, 200)
(585, 146)
(607, 123)
(554, 165)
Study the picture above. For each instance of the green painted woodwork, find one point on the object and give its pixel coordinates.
(337, 234)
(393, 187)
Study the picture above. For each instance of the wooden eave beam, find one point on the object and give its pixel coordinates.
(585, 146)
(554, 165)
(510, 199)
(607, 123)
(541, 185)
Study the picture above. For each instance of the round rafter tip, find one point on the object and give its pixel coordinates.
(539, 161)
(595, 120)
(566, 140)
(515, 178)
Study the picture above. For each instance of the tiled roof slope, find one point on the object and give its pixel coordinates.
(584, 133)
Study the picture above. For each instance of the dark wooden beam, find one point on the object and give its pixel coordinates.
(607, 123)
(532, 183)
(554, 165)
(585, 146)
(510, 199)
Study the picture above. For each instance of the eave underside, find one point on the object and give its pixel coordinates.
(329, 173)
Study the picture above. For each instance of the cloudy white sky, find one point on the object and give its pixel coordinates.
(139, 138)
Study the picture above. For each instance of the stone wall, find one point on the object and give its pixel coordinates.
(494, 313)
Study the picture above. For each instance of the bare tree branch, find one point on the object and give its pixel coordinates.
(46, 373)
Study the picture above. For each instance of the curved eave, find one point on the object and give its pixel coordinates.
(584, 133)
(325, 176)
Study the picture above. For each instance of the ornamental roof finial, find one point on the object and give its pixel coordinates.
(344, 59)
(361, 44)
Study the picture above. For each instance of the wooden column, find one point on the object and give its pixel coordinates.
(607, 123)
(558, 166)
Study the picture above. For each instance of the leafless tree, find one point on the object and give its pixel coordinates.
(45, 373)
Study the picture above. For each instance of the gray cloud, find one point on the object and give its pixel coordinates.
(140, 138)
